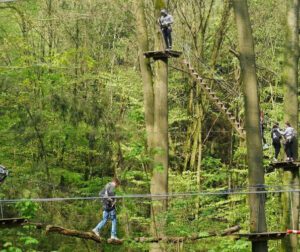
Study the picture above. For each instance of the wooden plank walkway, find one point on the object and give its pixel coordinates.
(262, 236)
(285, 165)
(12, 222)
(156, 55)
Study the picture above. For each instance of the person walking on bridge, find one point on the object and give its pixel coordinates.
(109, 208)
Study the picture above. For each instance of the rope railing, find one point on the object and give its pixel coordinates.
(253, 190)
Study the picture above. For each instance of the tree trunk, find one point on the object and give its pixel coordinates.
(159, 181)
(146, 71)
(156, 112)
(253, 138)
(290, 200)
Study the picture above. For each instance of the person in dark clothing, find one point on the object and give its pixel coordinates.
(276, 137)
(109, 208)
(289, 136)
(3, 173)
(165, 22)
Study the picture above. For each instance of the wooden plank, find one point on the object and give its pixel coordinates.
(12, 222)
(162, 54)
(285, 165)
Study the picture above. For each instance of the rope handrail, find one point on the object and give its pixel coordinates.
(259, 190)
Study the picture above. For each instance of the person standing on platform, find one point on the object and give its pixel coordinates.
(289, 136)
(165, 22)
(109, 208)
(276, 137)
(3, 173)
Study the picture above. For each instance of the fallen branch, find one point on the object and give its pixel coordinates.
(169, 239)
(74, 233)
(36, 224)
(71, 232)
(92, 236)
(231, 230)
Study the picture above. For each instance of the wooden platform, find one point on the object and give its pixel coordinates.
(156, 55)
(262, 236)
(13, 222)
(285, 165)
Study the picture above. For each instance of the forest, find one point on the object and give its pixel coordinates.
(90, 93)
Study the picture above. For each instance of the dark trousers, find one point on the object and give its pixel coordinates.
(277, 147)
(288, 148)
(167, 32)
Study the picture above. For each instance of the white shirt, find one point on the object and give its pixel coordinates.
(166, 21)
(287, 133)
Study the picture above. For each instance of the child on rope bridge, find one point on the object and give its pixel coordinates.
(109, 208)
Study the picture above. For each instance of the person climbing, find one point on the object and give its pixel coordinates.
(109, 208)
(289, 135)
(276, 137)
(165, 22)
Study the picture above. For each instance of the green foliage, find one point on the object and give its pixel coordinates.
(28, 209)
(72, 116)
(229, 245)
(159, 4)
(9, 248)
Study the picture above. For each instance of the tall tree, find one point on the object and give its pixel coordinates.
(156, 110)
(159, 183)
(290, 201)
(159, 180)
(146, 70)
(253, 137)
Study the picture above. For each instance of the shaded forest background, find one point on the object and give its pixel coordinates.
(72, 116)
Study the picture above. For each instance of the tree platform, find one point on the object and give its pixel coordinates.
(12, 222)
(262, 236)
(156, 55)
(287, 165)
